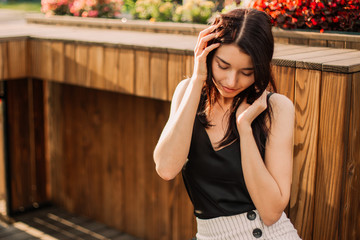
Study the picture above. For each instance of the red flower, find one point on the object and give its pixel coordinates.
(314, 22)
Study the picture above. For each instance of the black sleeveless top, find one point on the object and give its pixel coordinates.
(213, 179)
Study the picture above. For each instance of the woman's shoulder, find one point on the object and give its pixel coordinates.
(281, 104)
(180, 88)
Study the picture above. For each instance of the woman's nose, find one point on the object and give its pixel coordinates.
(232, 80)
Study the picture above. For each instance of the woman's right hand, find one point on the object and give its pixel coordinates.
(201, 51)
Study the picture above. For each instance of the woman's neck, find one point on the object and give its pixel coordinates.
(224, 102)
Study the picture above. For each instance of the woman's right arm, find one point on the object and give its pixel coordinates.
(172, 149)
(173, 146)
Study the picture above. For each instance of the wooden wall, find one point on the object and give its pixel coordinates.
(102, 163)
(100, 135)
(25, 131)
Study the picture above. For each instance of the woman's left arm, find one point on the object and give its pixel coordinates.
(269, 181)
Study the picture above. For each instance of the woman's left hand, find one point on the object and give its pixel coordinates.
(246, 113)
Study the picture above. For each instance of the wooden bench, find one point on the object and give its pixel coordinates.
(80, 73)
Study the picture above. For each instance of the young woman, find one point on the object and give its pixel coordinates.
(232, 138)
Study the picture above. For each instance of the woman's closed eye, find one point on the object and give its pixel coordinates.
(248, 74)
(222, 67)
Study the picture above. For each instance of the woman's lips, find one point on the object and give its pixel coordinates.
(228, 90)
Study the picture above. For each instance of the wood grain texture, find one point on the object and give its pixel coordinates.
(299, 41)
(2, 152)
(189, 65)
(41, 59)
(126, 78)
(317, 43)
(55, 142)
(35, 50)
(352, 45)
(95, 67)
(70, 65)
(57, 61)
(142, 73)
(159, 75)
(105, 156)
(81, 62)
(26, 144)
(111, 68)
(333, 139)
(284, 78)
(19, 149)
(307, 104)
(176, 72)
(17, 56)
(350, 221)
(335, 44)
(3, 61)
(44, 59)
(40, 173)
(283, 40)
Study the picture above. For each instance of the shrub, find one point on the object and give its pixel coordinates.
(335, 15)
(83, 8)
(156, 10)
(196, 11)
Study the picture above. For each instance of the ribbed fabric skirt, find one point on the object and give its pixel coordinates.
(247, 226)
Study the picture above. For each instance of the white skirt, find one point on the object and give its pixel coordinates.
(247, 226)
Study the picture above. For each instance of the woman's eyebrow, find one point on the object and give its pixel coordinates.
(225, 62)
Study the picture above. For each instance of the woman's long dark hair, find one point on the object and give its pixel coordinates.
(250, 30)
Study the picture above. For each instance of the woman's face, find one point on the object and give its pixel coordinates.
(232, 70)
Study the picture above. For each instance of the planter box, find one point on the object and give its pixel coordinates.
(334, 40)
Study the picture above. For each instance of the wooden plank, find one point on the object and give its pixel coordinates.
(70, 65)
(41, 59)
(333, 137)
(281, 40)
(3, 62)
(35, 50)
(317, 43)
(352, 45)
(129, 159)
(114, 171)
(307, 103)
(57, 61)
(299, 41)
(316, 63)
(17, 56)
(45, 60)
(81, 61)
(176, 72)
(19, 150)
(335, 44)
(54, 146)
(183, 220)
(145, 221)
(158, 75)
(189, 65)
(95, 67)
(284, 80)
(126, 78)
(2, 154)
(142, 74)
(38, 124)
(282, 53)
(343, 66)
(350, 221)
(111, 64)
